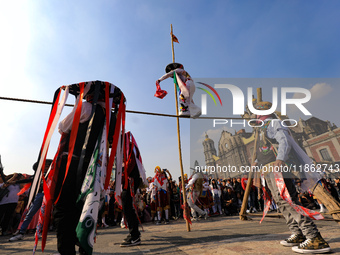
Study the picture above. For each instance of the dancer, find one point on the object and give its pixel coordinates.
(186, 86)
(133, 176)
(195, 186)
(82, 166)
(160, 183)
(305, 237)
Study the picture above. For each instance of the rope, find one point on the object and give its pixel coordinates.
(128, 111)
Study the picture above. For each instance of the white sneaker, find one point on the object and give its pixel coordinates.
(16, 238)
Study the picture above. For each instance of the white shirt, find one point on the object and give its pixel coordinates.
(12, 196)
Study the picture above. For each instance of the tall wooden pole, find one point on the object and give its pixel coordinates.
(250, 176)
(250, 180)
(179, 139)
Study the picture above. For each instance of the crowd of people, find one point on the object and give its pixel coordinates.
(157, 203)
(218, 197)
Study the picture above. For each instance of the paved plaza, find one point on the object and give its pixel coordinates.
(216, 235)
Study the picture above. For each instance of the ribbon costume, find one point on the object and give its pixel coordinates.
(81, 169)
(133, 176)
(152, 198)
(275, 148)
(186, 87)
(160, 184)
(195, 185)
(206, 199)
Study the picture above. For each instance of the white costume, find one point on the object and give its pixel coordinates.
(195, 185)
(187, 88)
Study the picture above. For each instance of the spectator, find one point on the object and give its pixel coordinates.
(237, 186)
(34, 207)
(229, 184)
(216, 192)
(18, 211)
(337, 185)
(239, 201)
(9, 202)
(252, 194)
(230, 202)
(176, 202)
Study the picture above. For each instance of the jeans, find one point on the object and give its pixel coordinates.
(296, 222)
(34, 207)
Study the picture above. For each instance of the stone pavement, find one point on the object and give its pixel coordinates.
(216, 235)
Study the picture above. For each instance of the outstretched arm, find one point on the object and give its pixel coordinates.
(170, 74)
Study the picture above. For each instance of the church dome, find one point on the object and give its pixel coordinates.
(207, 138)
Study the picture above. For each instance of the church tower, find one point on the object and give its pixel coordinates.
(209, 151)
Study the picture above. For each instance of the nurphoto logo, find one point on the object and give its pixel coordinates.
(238, 99)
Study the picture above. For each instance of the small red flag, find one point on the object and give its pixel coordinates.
(174, 38)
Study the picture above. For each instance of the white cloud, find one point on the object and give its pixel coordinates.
(318, 91)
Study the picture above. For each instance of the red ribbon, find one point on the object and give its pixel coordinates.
(159, 92)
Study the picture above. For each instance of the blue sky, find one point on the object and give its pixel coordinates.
(46, 44)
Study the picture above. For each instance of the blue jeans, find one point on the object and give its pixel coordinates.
(34, 207)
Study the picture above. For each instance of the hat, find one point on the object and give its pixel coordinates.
(158, 169)
(263, 105)
(258, 103)
(173, 66)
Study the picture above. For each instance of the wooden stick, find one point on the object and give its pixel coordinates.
(328, 200)
(173, 58)
(179, 140)
(250, 180)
